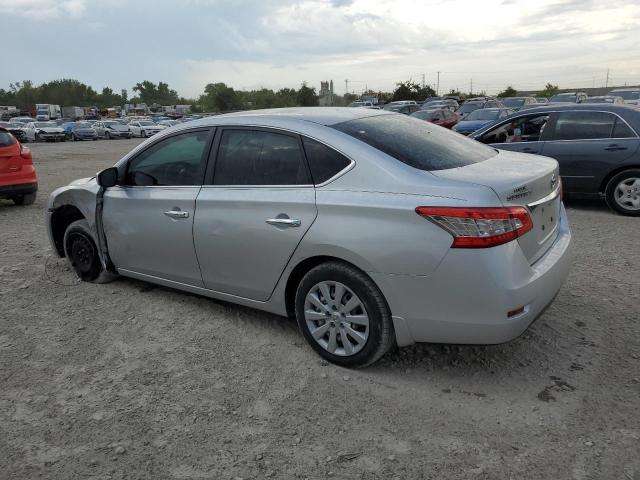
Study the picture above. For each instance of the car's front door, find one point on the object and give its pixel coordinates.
(254, 212)
(148, 218)
(588, 145)
(525, 134)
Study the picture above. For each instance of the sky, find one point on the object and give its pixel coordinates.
(250, 44)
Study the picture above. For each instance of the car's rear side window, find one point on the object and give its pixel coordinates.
(324, 161)
(6, 139)
(417, 143)
(583, 125)
(258, 157)
(622, 130)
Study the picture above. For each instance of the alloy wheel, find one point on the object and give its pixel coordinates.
(336, 318)
(627, 193)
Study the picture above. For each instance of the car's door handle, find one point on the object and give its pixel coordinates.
(284, 222)
(177, 214)
(614, 147)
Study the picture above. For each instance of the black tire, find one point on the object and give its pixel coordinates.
(610, 192)
(36, 138)
(82, 252)
(26, 199)
(381, 335)
(107, 136)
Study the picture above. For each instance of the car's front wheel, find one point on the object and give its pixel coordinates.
(343, 315)
(623, 192)
(82, 252)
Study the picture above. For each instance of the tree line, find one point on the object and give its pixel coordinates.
(217, 97)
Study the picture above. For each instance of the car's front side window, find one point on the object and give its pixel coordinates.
(521, 129)
(583, 125)
(259, 157)
(177, 160)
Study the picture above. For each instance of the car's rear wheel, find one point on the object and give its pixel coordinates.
(343, 315)
(26, 199)
(623, 192)
(82, 252)
(107, 135)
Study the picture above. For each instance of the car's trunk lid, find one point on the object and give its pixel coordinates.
(10, 160)
(520, 180)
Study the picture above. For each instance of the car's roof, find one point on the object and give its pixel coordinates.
(319, 115)
(628, 89)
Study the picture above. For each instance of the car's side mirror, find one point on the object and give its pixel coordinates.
(108, 177)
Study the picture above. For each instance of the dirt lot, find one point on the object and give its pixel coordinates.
(129, 380)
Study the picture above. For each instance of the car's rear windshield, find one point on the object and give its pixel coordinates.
(6, 139)
(417, 143)
(627, 95)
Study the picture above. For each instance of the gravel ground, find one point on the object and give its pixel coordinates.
(130, 380)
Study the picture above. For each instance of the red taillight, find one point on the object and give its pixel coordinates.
(25, 152)
(479, 227)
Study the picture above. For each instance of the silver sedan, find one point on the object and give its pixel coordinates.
(371, 228)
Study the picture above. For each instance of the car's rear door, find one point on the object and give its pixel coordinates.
(588, 145)
(259, 203)
(148, 218)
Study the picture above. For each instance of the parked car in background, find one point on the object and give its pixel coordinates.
(18, 180)
(44, 132)
(109, 129)
(83, 131)
(440, 116)
(169, 123)
(472, 105)
(614, 100)
(631, 96)
(446, 102)
(15, 128)
(516, 103)
(399, 107)
(360, 103)
(144, 128)
(597, 147)
(429, 214)
(479, 118)
(572, 97)
(22, 119)
(542, 99)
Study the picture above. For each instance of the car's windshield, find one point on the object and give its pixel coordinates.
(513, 102)
(147, 124)
(44, 124)
(15, 125)
(564, 97)
(434, 103)
(470, 107)
(112, 124)
(82, 125)
(394, 108)
(417, 143)
(423, 114)
(635, 95)
(483, 114)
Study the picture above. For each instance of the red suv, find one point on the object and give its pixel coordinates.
(18, 180)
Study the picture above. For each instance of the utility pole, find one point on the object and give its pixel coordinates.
(346, 86)
(438, 85)
(423, 81)
(471, 86)
(607, 81)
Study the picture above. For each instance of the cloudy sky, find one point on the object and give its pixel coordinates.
(373, 43)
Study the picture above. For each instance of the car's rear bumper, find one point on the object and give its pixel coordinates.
(9, 191)
(467, 299)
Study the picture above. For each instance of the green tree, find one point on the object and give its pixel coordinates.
(307, 97)
(508, 92)
(150, 93)
(219, 97)
(410, 90)
(549, 90)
